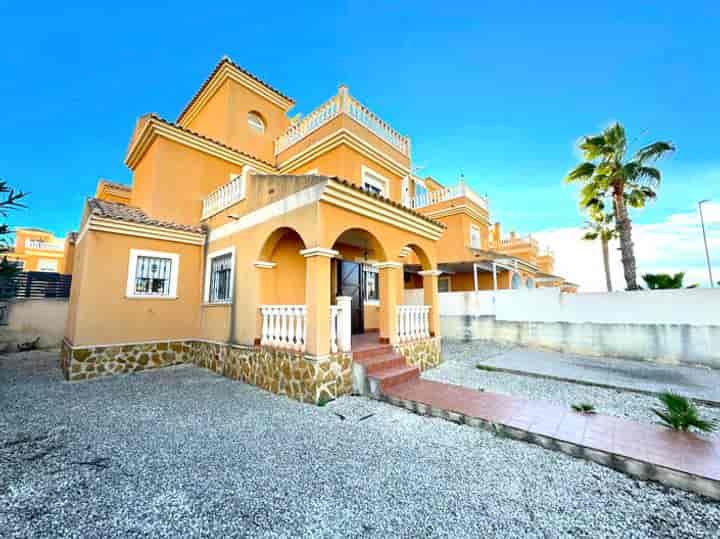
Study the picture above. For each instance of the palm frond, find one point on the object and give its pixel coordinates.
(681, 413)
(583, 171)
(653, 152)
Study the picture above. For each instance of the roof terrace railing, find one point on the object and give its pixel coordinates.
(224, 196)
(342, 103)
(44, 245)
(458, 190)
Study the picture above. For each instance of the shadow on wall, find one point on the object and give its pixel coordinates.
(30, 319)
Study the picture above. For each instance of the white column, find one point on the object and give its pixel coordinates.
(475, 277)
(494, 266)
(344, 304)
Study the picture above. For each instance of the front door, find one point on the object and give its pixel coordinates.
(349, 283)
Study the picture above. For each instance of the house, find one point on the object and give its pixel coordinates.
(36, 249)
(271, 250)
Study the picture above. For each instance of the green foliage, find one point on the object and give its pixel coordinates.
(9, 199)
(679, 413)
(663, 281)
(600, 226)
(584, 408)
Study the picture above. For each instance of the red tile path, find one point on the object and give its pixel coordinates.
(684, 452)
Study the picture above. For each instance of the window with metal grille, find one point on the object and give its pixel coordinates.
(220, 278)
(152, 276)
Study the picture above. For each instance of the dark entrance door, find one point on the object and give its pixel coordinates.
(349, 283)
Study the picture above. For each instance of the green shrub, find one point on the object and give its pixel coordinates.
(679, 413)
(584, 408)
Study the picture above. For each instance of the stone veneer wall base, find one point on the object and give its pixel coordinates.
(278, 371)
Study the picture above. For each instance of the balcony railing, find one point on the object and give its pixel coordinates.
(223, 197)
(458, 190)
(515, 241)
(44, 245)
(342, 103)
(413, 322)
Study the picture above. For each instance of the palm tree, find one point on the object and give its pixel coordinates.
(606, 173)
(601, 227)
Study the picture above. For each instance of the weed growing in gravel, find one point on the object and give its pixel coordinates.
(584, 408)
(680, 413)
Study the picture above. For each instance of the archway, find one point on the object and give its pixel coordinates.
(282, 268)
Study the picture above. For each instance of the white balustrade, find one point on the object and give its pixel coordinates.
(224, 196)
(441, 195)
(44, 245)
(413, 322)
(516, 241)
(342, 103)
(341, 325)
(284, 326)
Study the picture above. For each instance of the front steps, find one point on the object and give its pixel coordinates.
(377, 368)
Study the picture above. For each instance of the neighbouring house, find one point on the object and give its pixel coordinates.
(36, 249)
(271, 250)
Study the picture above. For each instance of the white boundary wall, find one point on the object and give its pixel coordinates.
(671, 326)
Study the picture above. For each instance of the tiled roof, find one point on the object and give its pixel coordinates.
(119, 186)
(196, 134)
(387, 200)
(227, 60)
(131, 214)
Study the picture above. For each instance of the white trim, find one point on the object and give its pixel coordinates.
(114, 226)
(270, 211)
(265, 265)
(372, 303)
(311, 172)
(384, 265)
(132, 269)
(376, 180)
(208, 276)
(430, 272)
(319, 251)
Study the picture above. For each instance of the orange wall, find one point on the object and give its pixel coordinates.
(102, 314)
(224, 118)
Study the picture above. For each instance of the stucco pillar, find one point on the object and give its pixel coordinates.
(430, 297)
(317, 299)
(391, 284)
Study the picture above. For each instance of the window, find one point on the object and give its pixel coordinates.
(373, 183)
(219, 278)
(152, 274)
(256, 122)
(372, 289)
(47, 265)
(530, 283)
(474, 237)
(516, 282)
(444, 284)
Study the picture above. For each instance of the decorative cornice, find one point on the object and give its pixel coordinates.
(266, 265)
(113, 226)
(357, 201)
(388, 264)
(462, 209)
(319, 251)
(343, 136)
(157, 127)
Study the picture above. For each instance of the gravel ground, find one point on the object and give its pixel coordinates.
(182, 452)
(459, 367)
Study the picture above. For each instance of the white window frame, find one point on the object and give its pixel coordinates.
(378, 181)
(475, 229)
(449, 282)
(257, 127)
(52, 261)
(132, 271)
(367, 268)
(208, 276)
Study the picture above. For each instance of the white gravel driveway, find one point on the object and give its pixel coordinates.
(182, 452)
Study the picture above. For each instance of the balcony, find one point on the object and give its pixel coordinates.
(342, 103)
(514, 241)
(224, 197)
(44, 245)
(458, 190)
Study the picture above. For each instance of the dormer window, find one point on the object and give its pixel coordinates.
(256, 122)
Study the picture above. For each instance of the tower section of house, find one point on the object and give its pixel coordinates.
(254, 245)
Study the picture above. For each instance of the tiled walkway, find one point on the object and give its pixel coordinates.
(648, 446)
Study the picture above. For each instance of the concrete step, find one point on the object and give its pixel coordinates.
(369, 353)
(385, 362)
(390, 377)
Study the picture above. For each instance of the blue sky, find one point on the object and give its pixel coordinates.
(498, 92)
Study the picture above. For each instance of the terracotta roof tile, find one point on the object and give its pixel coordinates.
(158, 118)
(120, 186)
(227, 60)
(131, 214)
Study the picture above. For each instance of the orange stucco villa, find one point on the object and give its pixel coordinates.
(278, 251)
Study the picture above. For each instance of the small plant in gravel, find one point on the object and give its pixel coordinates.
(584, 408)
(680, 413)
